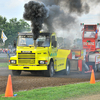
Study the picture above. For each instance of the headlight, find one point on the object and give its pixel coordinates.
(12, 61)
(43, 62)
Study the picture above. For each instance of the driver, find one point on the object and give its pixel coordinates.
(46, 43)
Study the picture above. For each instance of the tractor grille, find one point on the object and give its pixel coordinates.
(26, 58)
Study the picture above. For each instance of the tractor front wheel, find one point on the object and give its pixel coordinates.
(50, 71)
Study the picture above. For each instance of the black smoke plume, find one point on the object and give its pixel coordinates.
(36, 13)
(60, 13)
(78, 6)
(57, 15)
(58, 19)
(73, 5)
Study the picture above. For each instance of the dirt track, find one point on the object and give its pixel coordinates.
(27, 81)
(31, 82)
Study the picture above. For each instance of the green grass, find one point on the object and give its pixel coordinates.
(57, 93)
(2, 58)
(4, 64)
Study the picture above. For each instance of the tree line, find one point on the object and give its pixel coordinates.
(12, 28)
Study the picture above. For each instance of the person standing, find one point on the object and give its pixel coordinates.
(8, 53)
(14, 46)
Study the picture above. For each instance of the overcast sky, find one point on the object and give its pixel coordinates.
(14, 9)
(11, 9)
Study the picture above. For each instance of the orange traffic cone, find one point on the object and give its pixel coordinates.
(92, 80)
(9, 90)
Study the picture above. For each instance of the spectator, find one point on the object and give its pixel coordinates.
(8, 53)
(14, 46)
(3, 51)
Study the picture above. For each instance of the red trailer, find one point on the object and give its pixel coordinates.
(91, 43)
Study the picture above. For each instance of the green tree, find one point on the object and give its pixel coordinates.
(12, 28)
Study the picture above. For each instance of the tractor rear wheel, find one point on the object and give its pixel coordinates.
(67, 70)
(97, 67)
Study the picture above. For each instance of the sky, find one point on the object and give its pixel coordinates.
(15, 9)
(12, 9)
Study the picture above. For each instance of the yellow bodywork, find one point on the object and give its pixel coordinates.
(12, 67)
(59, 62)
(59, 57)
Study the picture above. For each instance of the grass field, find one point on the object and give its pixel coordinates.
(2, 58)
(4, 64)
(57, 93)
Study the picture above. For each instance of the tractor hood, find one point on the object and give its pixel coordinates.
(31, 55)
(32, 50)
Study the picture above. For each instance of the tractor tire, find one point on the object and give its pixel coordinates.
(96, 68)
(67, 70)
(16, 72)
(50, 71)
(33, 73)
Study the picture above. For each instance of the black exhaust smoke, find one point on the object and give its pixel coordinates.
(56, 15)
(36, 13)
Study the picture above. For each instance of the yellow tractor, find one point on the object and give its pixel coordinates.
(44, 57)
